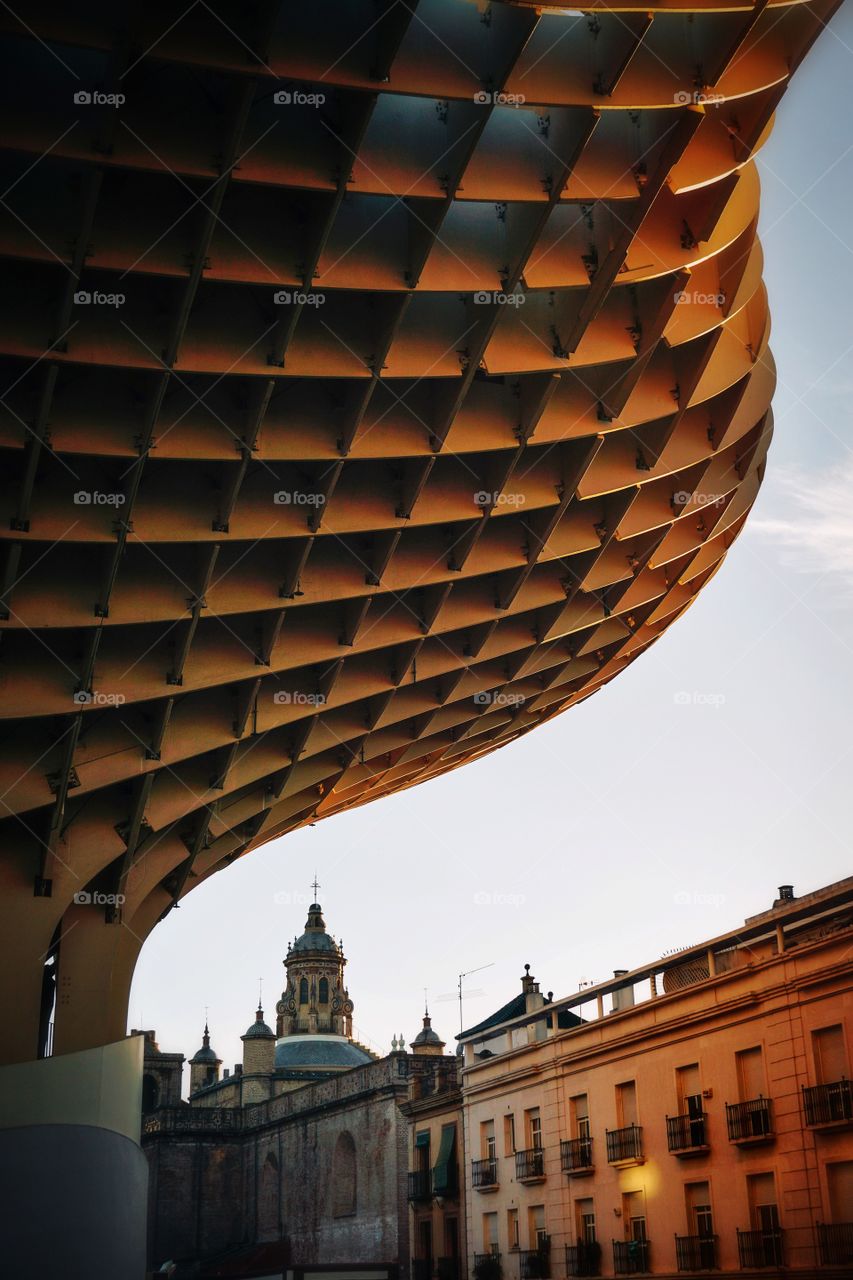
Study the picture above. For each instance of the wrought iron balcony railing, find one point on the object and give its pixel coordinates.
(761, 1248)
(484, 1174)
(696, 1253)
(624, 1144)
(687, 1133)
(420, 1184)
(487, 1266)
(530, 1164)
(828, 1103)
(750, 1121)
(583, 1259)
(576, 1155)
(835, 1242)
(631, 1257)
(535, 1264)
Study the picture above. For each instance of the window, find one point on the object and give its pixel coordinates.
(579, 1113)
(150, 1093)
(830, 1057)
(488, 1142)
(303, 990)
(537, 1234)
(585, 1221)
(750, 1074)
(509, 1135)
(343, 1196)
(324, 991)
(533, 1128)
(634, 1215)
(699, 1218)
(763, 1210)
(512, 1228)
(490, 1233)
(839, 1179)
(451, 1238)
(422, 1160)
(626, 1103)
(425, 1240)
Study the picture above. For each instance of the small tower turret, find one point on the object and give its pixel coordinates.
(204, 1065)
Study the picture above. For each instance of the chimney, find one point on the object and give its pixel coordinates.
(533, 998)
(238, 1068)
(226, 1073)
(624, 998)
(786, 894)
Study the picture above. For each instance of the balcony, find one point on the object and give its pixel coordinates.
(484, 1175)
(835, 1241)
(535, 1264)
(631, 1257)
(696, 1253)
(828, 1103)
(583, 1259)
(761, 1248)
(487, 1266)
(421, 1268)
(687, 1134)
(420, 1185)
(750, 1122)
(448, 1269)
(576, 1155)
(530, 1165)
(625, 1146)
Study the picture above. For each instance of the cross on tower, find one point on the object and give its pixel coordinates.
(315, 885)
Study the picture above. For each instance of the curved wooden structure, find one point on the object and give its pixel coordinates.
(381, 377)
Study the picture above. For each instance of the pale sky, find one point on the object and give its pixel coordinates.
(633, 824)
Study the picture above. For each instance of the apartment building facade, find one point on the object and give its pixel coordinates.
(691, 1116)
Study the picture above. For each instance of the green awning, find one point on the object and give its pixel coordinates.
(422, 1139)
(444, 1173)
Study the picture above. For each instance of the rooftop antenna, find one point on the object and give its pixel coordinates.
(462, 976)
